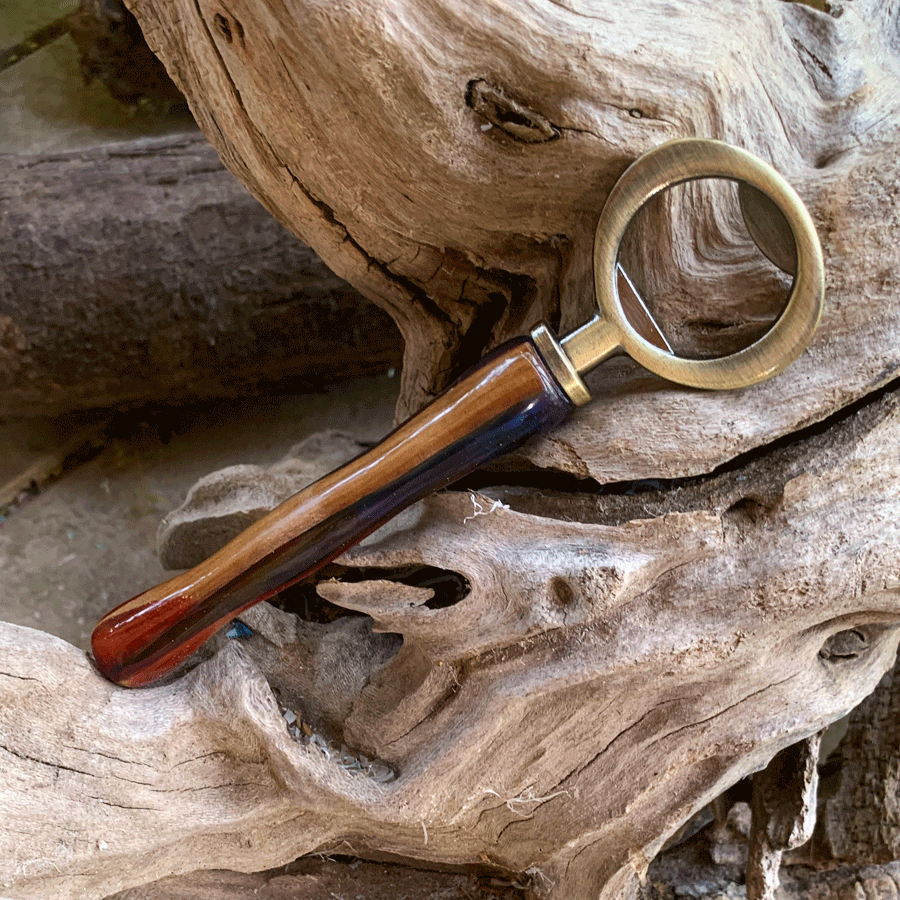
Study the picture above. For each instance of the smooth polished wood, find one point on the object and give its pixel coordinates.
(508, 397)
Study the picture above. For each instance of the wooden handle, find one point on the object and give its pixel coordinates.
(509, 396)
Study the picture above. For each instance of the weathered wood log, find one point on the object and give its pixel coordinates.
(368, 881)
(593, 686)
(861, 822)
(317, 879)
(615, 657)
(142, 271)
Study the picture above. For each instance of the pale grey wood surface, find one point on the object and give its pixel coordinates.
(596, 685)
(621, 655)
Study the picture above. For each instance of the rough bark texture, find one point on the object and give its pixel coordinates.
(861, 823)
(784, 813)
(142, 271)
(581, 670)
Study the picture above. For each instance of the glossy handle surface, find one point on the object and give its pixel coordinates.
(509, 396)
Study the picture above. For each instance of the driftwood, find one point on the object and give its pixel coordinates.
(142, 271)
(861, 823)
(316, 878)
(593, 661)
(784, 812)
(594, 687)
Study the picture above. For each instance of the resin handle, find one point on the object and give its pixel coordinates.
(509, 396)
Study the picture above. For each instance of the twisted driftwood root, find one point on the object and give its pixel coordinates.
(595, 686)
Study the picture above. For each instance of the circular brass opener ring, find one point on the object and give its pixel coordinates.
(686, 160)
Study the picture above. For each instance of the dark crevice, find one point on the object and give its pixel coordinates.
(516, 473)
(303, 600)
(508, 114)
(763, 471)
(851, 643)
(419, 295)
(563, 250)
(474, 341)
(750, 508)
(806, 53)
(224, 27)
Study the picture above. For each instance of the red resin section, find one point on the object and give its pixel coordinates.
(508, 397)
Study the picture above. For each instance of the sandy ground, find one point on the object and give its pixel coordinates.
(87, 540)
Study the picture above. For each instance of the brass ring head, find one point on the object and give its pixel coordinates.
(686, 160)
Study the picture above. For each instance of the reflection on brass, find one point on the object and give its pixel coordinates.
(637, 313)
(592, 343)
(560, 364)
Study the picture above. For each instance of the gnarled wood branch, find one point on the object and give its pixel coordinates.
(595, 685)
(620, 655)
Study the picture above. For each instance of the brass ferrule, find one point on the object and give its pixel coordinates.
(560, 365)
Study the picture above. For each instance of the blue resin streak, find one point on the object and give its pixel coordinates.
(136, 645)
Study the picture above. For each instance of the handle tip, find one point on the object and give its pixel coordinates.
(145, 638)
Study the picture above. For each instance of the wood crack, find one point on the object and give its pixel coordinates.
(726, 709)
(107, 802)
(759, 474)
(328, 214)
(20, 677)
(46, 763)
(95, 752)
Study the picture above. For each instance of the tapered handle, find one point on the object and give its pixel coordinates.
(506, 398)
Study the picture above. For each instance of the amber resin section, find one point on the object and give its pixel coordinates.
(508, 397)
